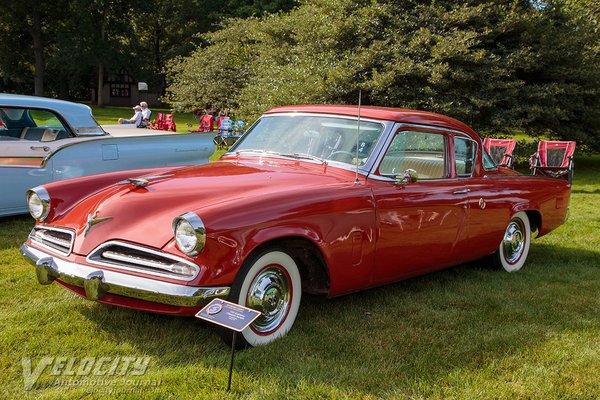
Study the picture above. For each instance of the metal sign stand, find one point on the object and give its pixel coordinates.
(231, 361)
(231, 316)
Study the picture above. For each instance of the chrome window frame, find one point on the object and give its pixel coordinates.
(475, 155)
(397, 128)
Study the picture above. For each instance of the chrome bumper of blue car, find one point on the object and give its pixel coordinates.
(97, 282)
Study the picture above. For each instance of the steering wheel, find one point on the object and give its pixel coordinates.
(344, 153)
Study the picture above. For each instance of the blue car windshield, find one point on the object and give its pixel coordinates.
(310, 136)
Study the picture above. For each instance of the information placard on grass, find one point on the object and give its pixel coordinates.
(231, 316)
(227, 314)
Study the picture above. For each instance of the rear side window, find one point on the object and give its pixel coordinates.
(488, 161)
(45, 119)
(464, 156)
(31, 125)
(424, 152)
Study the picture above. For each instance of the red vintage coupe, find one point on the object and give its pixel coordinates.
(318, 199)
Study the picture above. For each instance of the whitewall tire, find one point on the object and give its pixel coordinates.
(270, 283)
(514, 247)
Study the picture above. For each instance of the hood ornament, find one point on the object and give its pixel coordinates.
(139, 182)
(92, 221)
(142, 182)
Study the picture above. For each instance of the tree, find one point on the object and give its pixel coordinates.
(33, 17)
(496, 65)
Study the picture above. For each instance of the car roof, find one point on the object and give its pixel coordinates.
(381, 113)
(79, 116)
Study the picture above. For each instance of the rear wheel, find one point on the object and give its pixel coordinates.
(268, 282)
(514, 248)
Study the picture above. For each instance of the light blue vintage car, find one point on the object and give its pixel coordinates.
(44, 140)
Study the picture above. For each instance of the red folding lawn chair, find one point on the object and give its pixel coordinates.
(159, 122)
(207, 123)
(169, 124)
(554, 159)
(501, 150)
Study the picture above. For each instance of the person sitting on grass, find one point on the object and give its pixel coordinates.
(146, 113)
(136, 119)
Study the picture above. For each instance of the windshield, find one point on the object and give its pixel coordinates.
(312, 137)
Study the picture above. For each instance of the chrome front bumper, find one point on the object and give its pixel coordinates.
(97, 282)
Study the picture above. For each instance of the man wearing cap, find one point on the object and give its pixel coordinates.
(136, 119)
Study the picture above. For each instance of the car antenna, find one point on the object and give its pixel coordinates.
(357, 135)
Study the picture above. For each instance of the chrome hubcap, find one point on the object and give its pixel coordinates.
(270, 294)
(514, 241)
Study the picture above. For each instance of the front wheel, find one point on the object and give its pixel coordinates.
(268, 282)
(514, 248)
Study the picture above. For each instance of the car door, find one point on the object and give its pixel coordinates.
(488, 206)
(418, 223)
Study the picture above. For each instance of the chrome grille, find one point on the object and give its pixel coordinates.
(130, 257)
(57, 239)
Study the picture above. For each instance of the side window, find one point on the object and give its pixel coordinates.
(31, 125)
(45, 119)
(464, 156)
(488, 161)
(422, 151)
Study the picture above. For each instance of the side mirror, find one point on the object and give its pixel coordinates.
(410, 176)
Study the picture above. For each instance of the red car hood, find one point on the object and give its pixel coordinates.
(144, 214)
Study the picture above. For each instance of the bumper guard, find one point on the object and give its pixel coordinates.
(97, 282)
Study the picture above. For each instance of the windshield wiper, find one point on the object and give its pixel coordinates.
(257, 151)
(305, 156)
(302, 156)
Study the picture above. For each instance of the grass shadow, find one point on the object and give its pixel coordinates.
(460, 318)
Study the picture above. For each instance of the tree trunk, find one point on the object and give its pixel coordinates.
(158, 35)
(100, 63)
(38, 52)
(100, 84)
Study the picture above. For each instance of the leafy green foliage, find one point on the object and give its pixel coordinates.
(494, 65)
(74, 39)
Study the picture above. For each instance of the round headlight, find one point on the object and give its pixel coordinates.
(190, 234)
(38, 202)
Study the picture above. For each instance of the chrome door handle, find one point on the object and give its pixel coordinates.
(45, 148)
(462, 191)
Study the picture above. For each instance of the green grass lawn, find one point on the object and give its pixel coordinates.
(465, 333)
(110, 115)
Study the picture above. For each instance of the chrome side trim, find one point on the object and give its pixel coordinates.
(84, 139)
(40, 239)
(97, 282)
(95, 257)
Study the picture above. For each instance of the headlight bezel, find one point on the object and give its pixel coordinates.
(44, 198)
(199, 232)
